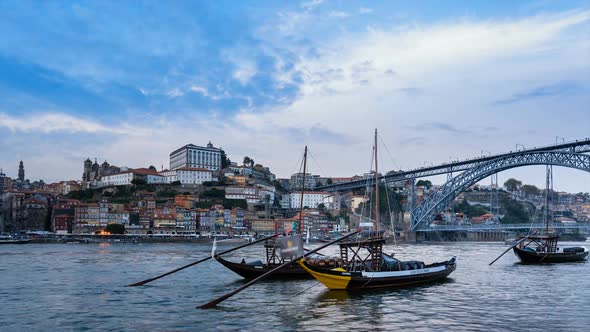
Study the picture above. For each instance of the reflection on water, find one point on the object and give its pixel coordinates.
(73, 287)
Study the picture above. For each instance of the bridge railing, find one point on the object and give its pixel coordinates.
(500, 227)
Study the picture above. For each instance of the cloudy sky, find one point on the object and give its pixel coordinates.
(130, 82)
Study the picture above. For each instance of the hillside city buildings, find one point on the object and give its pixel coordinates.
(200, 193)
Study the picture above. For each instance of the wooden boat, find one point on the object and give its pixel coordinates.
(4, 239)
(539, 249)
(544, 249)
(363, 265)
(253, 269)
(376, 270)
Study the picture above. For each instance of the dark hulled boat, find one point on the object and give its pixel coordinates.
(5, 239)
(544, 249)
(251, 270)
(539, 249)
(363, 265)
(374, 269)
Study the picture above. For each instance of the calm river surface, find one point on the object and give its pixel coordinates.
(81, 287)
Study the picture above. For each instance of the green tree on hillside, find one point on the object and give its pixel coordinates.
(512, 184)
(225, 162)
(530, 190)
(425, 183)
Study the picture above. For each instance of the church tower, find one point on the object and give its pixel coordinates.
(21, 172)
(87, 169)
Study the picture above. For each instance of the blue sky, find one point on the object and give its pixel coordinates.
(129, 82)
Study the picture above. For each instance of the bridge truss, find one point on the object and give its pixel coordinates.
(438, 200)
(579, 146)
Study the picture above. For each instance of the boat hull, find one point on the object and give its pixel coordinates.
(250, 271)
(339, 279)
(533, 257)
(14, 241)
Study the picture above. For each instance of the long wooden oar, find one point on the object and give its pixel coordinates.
(517, 242)
(141, 283)
(215, 302)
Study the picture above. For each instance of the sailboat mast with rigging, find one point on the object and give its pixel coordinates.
(363, 265)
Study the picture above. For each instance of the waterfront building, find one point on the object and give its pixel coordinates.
(316, 221)
(195, 156)
(263, 225)
(204, 219)
(86, 218)
(164, 224)
(63, 215)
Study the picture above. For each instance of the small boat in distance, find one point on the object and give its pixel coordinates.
(7, 239)
(363, 265)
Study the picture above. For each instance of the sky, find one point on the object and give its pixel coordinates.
(129, 82)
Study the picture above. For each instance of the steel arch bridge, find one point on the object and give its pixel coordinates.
(422, 214)
(578, 146)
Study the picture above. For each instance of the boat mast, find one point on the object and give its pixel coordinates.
(299, 225)
(549, 191)
(376, 190)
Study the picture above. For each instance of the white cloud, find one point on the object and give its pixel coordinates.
(338, 14)
(244, 73)
(176, 92)
(364, 10)
(55, 122)
(309, 5)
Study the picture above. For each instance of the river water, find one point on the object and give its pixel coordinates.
(81, 287)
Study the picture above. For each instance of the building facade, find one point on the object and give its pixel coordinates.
(124, 178)
(311, 199)
(195, 156)
(297, 180)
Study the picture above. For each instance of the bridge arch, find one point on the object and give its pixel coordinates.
(437, 201)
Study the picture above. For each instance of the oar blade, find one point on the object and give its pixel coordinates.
(143, 282)
(515, 244)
